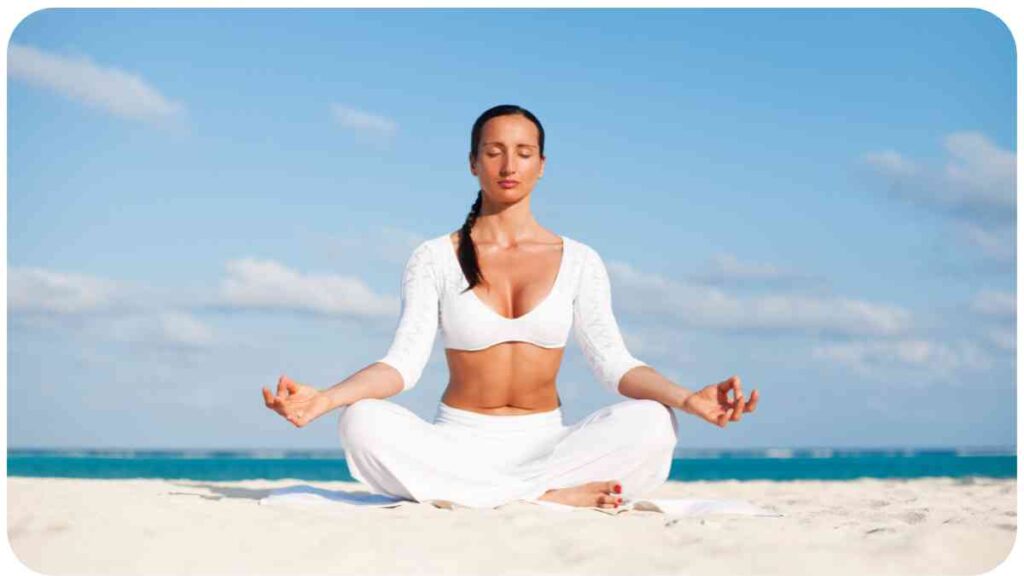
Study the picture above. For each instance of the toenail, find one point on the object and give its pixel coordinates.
(618, 489)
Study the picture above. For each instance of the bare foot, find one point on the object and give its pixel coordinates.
(602, 494)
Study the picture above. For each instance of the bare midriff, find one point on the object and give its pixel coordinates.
(506, 379)
(509, 378)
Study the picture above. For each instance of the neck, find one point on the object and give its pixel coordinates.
(506, 225)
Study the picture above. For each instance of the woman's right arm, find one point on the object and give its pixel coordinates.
(374, 381)
(402, 365)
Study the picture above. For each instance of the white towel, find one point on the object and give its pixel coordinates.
(305, 494)
(339, 500)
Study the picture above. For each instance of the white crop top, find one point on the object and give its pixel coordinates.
(580, 299)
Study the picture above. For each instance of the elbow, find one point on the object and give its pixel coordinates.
(617, 371)
(408, 375)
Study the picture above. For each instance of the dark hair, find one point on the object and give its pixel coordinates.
(467, 251)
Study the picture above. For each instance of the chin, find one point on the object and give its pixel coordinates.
(508, 196)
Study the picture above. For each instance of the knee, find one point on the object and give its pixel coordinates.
(359, 423)
(654, 424)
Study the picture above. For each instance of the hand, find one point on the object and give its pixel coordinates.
(712, 403)
(298, 403)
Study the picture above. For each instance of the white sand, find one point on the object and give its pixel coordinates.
(926, 526)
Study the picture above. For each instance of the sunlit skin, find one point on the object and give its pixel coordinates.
(519, 261)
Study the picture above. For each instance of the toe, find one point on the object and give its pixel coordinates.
(612, 487)
(609, 501)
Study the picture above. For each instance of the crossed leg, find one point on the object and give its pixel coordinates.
(395, 452)
(631, 441)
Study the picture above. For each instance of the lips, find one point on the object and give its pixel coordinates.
(508, 183)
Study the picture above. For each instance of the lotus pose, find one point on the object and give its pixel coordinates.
(505, 293)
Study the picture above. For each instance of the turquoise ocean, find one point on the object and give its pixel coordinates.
(687, 465)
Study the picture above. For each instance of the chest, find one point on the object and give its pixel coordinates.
(515, 283)
(527, 297)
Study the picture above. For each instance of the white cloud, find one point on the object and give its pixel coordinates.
(661, 343)
(723, 268)
(380, 244)
(976, 187)
(39, 290)
(995, 303)
(254, 283)
(363, 122)
(69, 302)
(978, 179)
(980, 172)
(728, 266)
(869, 356)
(163, 328)
(705, 307)
(184, 329)
(996, 243)
(891, 162)
(1003, 339)
(80, 78)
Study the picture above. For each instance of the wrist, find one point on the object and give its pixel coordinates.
(680, 397)
(335, 396)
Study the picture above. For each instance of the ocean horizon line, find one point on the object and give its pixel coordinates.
(771, 452)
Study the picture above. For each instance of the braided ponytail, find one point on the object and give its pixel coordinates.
(467, 251)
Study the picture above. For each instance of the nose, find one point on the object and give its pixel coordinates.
(508, 167)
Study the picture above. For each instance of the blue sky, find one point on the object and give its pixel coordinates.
(820, 201)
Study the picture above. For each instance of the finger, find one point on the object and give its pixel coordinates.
(723, 393)
(275, 402)
(268, 397)
(731, 383)
(738, 411)
(291, 386)
(737, 387)
(282, 388)
(754, 397)
(723, 418)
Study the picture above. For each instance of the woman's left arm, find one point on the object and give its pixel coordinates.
(598, 335)
(600, 339)
(644, 382)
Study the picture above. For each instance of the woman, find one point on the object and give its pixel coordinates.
(498, 434)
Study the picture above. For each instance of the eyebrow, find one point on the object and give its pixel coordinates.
(502, 145)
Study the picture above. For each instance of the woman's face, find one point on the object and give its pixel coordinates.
(508, 162)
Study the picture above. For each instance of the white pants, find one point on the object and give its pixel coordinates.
(482, 461)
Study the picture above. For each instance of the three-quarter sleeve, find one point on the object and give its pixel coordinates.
(594, 325)
(417, 325)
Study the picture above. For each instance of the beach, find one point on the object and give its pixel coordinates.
(153, 526)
